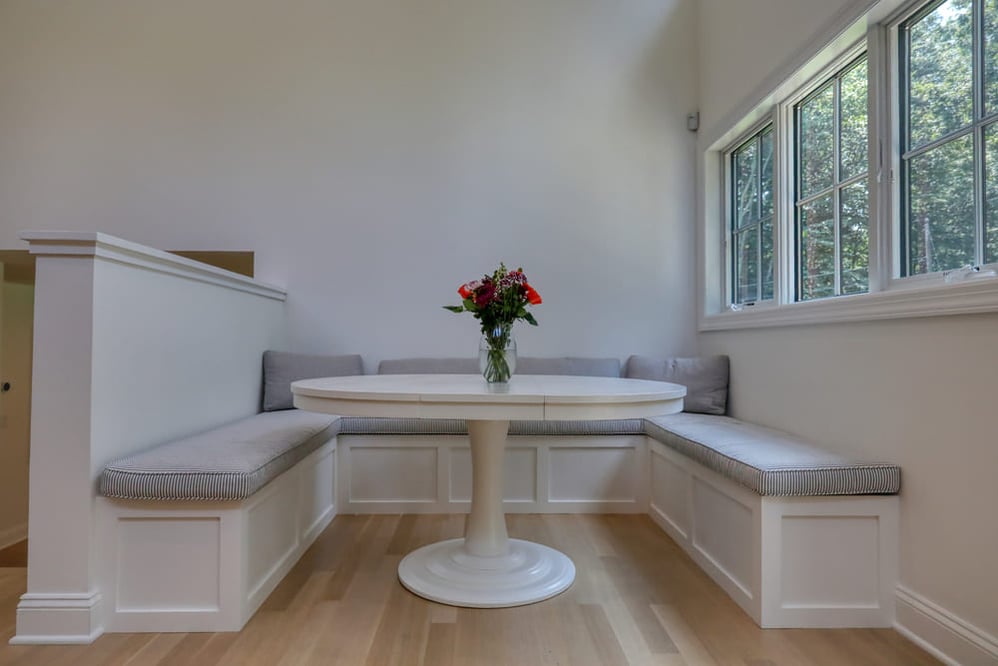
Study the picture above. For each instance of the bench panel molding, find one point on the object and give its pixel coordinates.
(605, 474)
(252, 547)
(791, 581)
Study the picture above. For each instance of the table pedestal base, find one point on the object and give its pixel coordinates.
(447, 573)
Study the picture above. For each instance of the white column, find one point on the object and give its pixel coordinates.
(485, 529)
(61, 603)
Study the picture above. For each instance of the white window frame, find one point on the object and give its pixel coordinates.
(788, 174)
(729, 222)
(890, 296)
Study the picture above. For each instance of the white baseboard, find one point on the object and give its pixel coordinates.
(11, 535)
(64, 618)
(944, 635)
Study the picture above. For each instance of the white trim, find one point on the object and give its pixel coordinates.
(111, 248)
(961, 637)
(67, 639)
(13, 534)
(971, 297)
(52, 617)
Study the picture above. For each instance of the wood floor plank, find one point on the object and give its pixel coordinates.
(683, 636)
(440, 645)
(638, 600)
(156, 650)
(15, 555)
(608, 649)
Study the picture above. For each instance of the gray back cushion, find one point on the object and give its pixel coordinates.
(525, 365)
(568, 365)
(705, 379)
(282, 368)
(431, 366)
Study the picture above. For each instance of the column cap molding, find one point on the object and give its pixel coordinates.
(111, 248)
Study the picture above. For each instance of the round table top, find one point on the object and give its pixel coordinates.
(535, 397)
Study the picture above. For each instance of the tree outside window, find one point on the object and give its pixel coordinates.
(949, 136)
(831, 186)
(751, 226)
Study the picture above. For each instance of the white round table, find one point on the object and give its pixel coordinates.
(487, 569)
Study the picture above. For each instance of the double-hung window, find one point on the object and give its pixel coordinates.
(948, 134)
(872, 168)
(831, 210)
(750, 228)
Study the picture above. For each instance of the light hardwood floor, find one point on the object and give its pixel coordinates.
(637, 599)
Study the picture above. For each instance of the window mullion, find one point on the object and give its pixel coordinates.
(758, 218)
(836, 177)
(979, 156)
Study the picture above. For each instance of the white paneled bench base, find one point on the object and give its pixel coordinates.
(424, 466)
(797, 536)
(197, 541)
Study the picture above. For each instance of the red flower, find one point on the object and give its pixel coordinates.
(464, 291)
(484, 294)
(532, 296)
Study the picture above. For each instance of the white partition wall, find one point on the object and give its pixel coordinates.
(133, 346)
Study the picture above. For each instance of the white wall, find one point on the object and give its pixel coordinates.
(741, 44)
(919, 392)
(15, 362)
(375, 155)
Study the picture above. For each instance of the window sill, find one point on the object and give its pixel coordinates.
(968, 297)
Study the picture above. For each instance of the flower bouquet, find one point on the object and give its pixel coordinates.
(497, 301)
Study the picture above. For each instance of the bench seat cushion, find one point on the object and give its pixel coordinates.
(230, 462)
(411, 426)
(768, 461)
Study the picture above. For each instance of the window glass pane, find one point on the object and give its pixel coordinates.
(766, 173)
(767, 257)
(991, 194)
(747, 265)
(990, 33)
(817, 249)
(816, 160)
(940, 226)
(940, 84)
(746, 183)
(854, 237)
(852, 122)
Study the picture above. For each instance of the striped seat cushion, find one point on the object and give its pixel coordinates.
(230, 462)
(358, 425)
(770, 462)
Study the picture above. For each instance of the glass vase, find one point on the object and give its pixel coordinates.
(497, 355)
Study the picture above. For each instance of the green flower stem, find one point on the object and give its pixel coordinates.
(496, 368)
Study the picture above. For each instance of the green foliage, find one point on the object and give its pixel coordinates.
(753, 255)
(820, 183)
(941, 218)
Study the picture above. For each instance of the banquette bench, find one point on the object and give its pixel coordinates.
(203, 528)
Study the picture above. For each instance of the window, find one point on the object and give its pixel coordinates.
(751, 218)
(949, 136)
(862, 185)
(831, 200)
